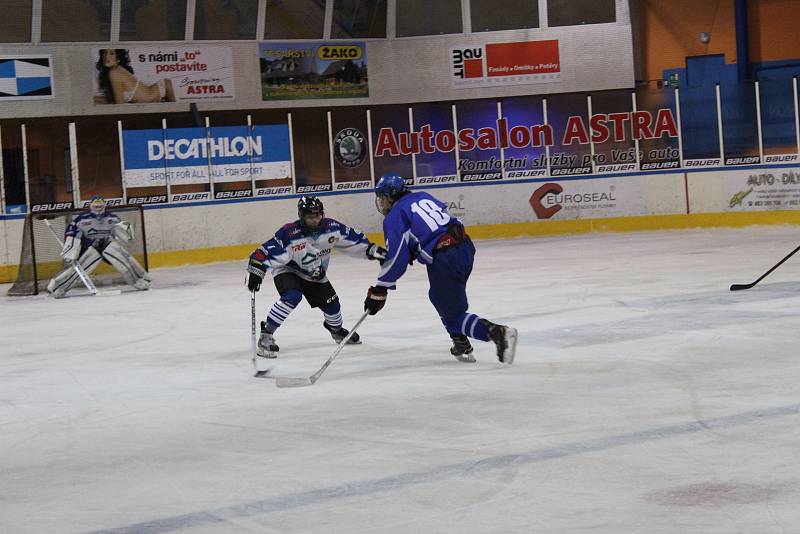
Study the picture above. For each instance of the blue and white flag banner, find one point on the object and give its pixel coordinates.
(184, 155)
(25, 77)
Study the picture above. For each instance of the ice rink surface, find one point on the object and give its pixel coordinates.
(645, 398)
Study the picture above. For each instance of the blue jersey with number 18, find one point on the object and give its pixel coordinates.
(411, 229)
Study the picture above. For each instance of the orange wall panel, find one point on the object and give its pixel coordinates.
(670, 31)
(773, 28)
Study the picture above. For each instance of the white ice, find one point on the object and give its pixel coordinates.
(645, 397)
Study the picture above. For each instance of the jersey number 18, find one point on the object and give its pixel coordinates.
(430, 213)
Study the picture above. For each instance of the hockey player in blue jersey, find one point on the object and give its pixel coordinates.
(298, 256)
(94, 236)
(417, 226)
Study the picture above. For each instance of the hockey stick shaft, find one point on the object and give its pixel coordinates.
(82, 274)
(737, 287)
(285, 381)
(253, 327)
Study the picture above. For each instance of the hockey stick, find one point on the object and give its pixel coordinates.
(737, 287)
(265, 372)
(289, 382)
(82, 274)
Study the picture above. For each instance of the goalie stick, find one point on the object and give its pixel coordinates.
(291, 382)
(82, 274)
(737, 287)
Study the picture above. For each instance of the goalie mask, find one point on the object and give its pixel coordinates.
(97, 205)
(310, 211)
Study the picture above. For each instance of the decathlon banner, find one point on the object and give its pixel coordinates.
(25, 78)
(163, 74)
(268, 158)
(185, 155)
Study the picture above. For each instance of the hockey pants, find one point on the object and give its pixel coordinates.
(447, 276)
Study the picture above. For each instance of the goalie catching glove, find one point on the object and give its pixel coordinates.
(376, 299)
(377, 252)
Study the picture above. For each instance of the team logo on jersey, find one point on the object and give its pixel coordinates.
(349, 148)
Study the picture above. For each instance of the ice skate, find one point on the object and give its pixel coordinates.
(338, 334)
(505, 339)
(462, 349)
(267, 348)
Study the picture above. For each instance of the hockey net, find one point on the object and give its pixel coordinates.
(40, 258)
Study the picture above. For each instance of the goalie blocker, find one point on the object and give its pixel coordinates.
(94, 236)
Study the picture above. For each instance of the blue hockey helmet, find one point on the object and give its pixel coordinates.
(391, 185)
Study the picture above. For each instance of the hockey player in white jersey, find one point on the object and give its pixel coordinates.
(95, 236)
(298, 255)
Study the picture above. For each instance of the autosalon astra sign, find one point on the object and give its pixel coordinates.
(198, 155)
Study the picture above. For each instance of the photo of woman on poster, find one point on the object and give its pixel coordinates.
(118, 84)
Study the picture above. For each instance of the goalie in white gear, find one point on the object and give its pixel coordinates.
(93, 236)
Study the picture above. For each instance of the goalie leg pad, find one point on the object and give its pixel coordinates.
(126, 264)
(68, 278)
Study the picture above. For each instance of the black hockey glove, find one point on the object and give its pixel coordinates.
(377, 252)
(256, 271)
(376, 299)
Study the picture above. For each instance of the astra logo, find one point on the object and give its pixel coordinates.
(539, 208)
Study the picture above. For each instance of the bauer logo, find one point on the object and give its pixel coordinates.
(313, 188)
(189, 197)
(238, 193)
(51, 206)
(152, 199)
(268, 191)
(110, 202)
(349, 148)
(353, 185)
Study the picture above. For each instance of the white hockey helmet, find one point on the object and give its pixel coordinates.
(97, 205)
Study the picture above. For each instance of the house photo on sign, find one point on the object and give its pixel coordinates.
(299, 71)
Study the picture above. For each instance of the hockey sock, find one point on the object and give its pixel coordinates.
(333, 315)
(278, 314)
(470, 325)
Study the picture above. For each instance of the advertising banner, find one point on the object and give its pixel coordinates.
(24, 77)
(497, 64)
(514, 141)
(590, 199)
(163, 74)
(767, 190)
(313, 70)
(184, 155)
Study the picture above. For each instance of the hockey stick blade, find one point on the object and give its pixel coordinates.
(737, 287)
(289, 382)
(292, 382)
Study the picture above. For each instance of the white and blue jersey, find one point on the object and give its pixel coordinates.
(93, 230)
(412, 228)
(293, 250)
